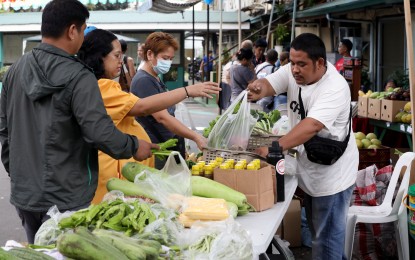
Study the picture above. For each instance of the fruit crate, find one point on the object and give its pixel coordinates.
(256, 141)
(212, 153)
(379, 156)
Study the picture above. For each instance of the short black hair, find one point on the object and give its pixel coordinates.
(261, 42)
(310, 44)
(244, 54)
(97, 44)
(58, 15)
(272, 55)
(348, 44)
(123, 45)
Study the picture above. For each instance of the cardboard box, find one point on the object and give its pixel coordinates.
(373, 108)
(389, 109)
(362, 106)
(257, 185)
(291, 230)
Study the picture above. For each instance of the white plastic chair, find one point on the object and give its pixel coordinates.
(386, 212)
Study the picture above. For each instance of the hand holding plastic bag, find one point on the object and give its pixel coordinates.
(232, 130)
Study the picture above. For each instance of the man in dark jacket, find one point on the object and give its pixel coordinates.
(53, 121)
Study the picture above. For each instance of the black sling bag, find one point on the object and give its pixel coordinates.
(324, 150)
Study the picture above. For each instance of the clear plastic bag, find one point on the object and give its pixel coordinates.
(165, 231)
(232, 131)
(282, 126)
(172, 186)
(219, 240)
(49, 231)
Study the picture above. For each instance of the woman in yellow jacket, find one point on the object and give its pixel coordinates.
(101, 51)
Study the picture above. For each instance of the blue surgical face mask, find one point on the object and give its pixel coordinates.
(162, 67)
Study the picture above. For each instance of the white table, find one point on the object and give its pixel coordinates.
(262, 226)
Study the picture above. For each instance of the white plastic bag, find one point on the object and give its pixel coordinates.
(282, 126)
(171, 186)
(49, 231)
(232, 131)
(218, 240)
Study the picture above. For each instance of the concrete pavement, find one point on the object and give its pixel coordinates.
(195, 113)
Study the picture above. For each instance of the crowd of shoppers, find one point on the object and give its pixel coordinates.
(53, 115)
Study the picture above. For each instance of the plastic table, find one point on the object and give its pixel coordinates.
(262, 226)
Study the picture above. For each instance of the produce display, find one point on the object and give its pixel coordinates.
(130, 218)
(368, 141)
(390, 94)
(103, 244)
(126, 227)
(207, 188)
(404, 115)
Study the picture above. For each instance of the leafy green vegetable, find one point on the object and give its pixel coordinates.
(164, 148)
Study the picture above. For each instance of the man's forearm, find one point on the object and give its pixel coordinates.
(301, 133)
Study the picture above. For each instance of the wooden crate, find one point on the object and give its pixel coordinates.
(380, 156)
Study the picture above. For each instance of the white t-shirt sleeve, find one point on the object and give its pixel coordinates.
(279, 80)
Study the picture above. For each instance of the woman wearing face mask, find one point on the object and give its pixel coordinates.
(101, 51)
(158, 52)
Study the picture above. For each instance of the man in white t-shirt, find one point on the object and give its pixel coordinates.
(326, 99)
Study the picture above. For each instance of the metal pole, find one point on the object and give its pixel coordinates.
(270, 21)
(219, 70)
(207, 43)
(409, 43)
(239, 25)
(193, 46)
(218, 78)
(293, 21)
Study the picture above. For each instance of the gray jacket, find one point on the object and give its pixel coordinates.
(52, 122)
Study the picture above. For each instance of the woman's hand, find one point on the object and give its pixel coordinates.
(203, 89)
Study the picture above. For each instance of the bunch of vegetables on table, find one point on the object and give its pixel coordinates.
(179, 224)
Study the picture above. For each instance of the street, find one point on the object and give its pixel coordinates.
(11, 229)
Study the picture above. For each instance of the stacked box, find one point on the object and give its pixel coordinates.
(373, 108)
(362, 106)
(389, 108)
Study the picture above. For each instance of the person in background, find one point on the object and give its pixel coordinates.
(281, 99)
(226, 77)
(52, 115)
(102, 52)
(326, 98)
(242, 74)
(284, 58)
(226, 92)
(161, 126)
(389, 84)
(140, 56)
(259, 50)
(263, 70)
(206, 66)
(128, 62)
(344, 49)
